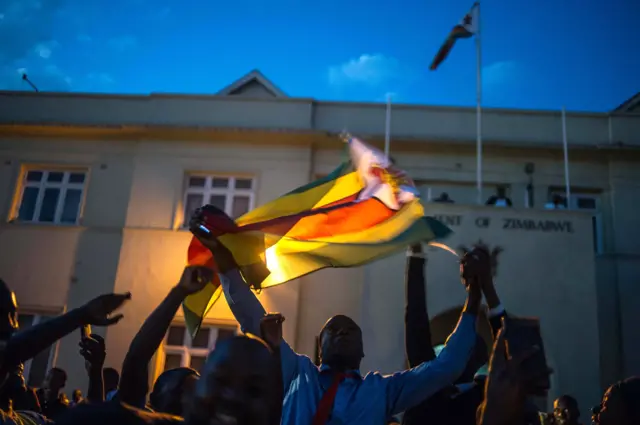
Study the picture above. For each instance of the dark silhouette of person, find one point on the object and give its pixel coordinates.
(500, 199)
(444, 199)
(619, 405)
(237, 385)
(337, 389)
(16, 394)
(111, 379)
(52, 400)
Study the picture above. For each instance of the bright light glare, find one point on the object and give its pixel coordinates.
(273, 264)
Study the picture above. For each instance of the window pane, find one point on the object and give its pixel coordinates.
(192, 203)
(240, 206)
(172, 361)
(244, 183)
(55, 177)
(176, 336)
(586, 203)
(39, 368)
(71, 206)
(218, 201)
(220, 182)
(202, 339)
(34, 176)
(224, 333)
(76, 178)
(197, 181)
(197, 362)
(28, 204)
(49, 204)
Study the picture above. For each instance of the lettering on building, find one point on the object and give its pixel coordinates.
(449, 220)
(552, 226)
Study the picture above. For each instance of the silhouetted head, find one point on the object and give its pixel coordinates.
(620, 404)
(55, 380)
(8, 312)
(341, 346)
(111, 379)
(479, 357)
(501, 191)
(565, 410)
(237, 385)
(172, 390)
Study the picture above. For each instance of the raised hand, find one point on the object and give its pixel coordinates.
(195, 278)
(271, 329)
(98, 311)
(93, 350)
(198, 226)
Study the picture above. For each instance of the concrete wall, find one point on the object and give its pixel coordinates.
(510, 127)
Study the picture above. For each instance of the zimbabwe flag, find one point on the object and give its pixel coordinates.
(363, 211)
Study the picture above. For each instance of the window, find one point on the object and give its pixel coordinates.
(36, 368)
(180, 350)
(233, 195)
(588, 202)
(52, 196)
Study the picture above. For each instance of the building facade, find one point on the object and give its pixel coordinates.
(94, 191)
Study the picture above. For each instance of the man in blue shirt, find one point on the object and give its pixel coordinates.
(335, 393)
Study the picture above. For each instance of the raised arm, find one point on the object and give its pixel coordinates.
(409, 388)
(28, 343)
(417, 328)
(244, 304)
(496, 310)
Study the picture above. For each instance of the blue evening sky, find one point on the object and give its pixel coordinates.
(540, 54)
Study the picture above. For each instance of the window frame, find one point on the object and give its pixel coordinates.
(53, 353)
(42, 185)
(596, 212)
(186, 351)
(208, 190)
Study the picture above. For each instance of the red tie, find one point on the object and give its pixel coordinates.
(326, 402)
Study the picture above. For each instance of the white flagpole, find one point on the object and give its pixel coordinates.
(478, 108)
(567, 183)
(387, 128)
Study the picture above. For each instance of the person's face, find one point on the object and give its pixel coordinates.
(237, 387)
(563, 413)
(341, 343)
(612, 408)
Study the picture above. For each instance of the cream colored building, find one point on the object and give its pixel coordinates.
(94, 188)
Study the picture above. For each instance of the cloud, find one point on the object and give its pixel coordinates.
(367, 69)
(122, 43)
(101, 78)
(26, 23)
(43, 51)
(499, 73)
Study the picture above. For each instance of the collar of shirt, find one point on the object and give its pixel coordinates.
(325, 374)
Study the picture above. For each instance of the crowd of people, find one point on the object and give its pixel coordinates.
(258, 379)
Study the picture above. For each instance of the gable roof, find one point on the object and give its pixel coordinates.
(252, 77)
(630, 105)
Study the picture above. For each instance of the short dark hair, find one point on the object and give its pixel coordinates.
(60, 372)
(111, 379)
